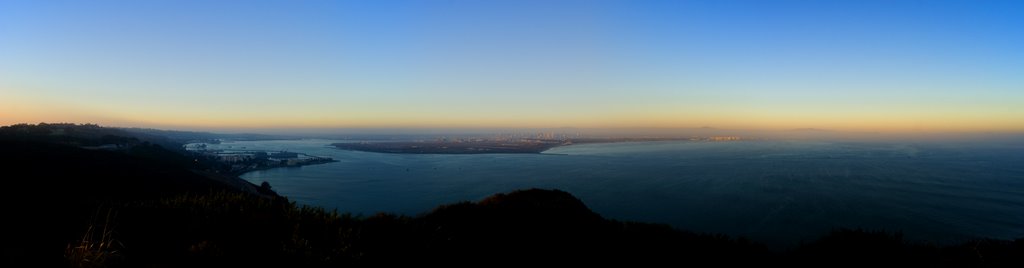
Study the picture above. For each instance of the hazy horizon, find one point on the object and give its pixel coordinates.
(900, 68)
(802, 134)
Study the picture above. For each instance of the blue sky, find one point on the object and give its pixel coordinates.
(857, 65)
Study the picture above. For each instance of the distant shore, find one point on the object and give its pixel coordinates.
(252, 168)
(238, 162)
(525, 146)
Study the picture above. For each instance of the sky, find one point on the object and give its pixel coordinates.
(899, 66)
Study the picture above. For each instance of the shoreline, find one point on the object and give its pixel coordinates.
(239, 173)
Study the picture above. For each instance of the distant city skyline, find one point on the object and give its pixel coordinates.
(885, 66)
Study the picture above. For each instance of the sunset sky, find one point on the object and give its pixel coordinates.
(842, 65)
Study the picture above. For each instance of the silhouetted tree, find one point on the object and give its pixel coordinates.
(265, 188)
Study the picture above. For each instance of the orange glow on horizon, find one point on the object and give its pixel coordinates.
(17, 108)
(13, 114)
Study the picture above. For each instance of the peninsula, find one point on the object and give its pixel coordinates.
(493, 146)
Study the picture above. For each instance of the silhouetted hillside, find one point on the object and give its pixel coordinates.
(50, 184)
(530, 225)
(83, 135)
(523, 227)
(520, 227)
(87, 135)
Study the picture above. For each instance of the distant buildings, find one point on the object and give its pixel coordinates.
(724, 138)
(284, 155)
(235, 158)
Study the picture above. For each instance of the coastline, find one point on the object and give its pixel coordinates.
(258, 168)
(232, 162)
(485, 146)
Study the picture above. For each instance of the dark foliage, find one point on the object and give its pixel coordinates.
(50, 185)
(523, 227)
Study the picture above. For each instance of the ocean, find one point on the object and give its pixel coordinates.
(776, 192)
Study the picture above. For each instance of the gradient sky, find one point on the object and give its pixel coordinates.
(843, 65)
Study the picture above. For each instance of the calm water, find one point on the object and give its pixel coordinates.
(774, 192)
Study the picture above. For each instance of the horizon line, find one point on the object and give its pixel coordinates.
(300, 129)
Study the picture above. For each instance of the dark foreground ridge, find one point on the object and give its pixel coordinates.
(69, 206)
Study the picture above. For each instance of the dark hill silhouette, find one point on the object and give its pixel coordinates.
(47, 184)
(535, 224)
(82, 135)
